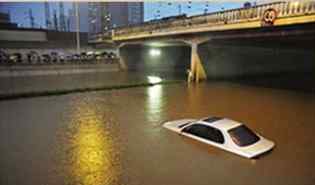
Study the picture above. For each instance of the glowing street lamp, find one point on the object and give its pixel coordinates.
(154, 79)
(155, 52)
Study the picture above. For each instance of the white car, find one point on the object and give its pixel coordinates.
(224, 133)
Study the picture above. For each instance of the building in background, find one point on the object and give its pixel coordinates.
(135, 12)
(62, 17)
(5, 21)
(94, 17)
(104, 16)
(83, 17)
(37, 14)
(96, 11)
(48, 16)
(4, 18)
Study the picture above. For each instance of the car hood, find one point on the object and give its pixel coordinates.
(258, 148)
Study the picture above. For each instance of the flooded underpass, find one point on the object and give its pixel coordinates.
(116, 137)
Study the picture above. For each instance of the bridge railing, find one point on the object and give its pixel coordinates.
(283, 9)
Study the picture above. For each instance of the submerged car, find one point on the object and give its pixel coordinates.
(224, 133)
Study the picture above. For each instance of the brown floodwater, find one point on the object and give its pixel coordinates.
(116, 137)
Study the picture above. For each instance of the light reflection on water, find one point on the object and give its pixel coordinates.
(154, 103)
(89, 153)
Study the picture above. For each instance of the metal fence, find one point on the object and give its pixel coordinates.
(283, 9)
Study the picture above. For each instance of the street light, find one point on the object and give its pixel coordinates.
(78, 27)
(179, 9)
(154, 79)
(107, 18)
(155, 52)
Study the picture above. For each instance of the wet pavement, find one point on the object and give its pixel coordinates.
(116, 137)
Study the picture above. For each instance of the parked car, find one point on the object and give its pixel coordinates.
(99, 55)
(15, 58)
(223, 133)
(62, 57)
(83, 56)
(69, 58)
(54, 57)
(4, 57)
(46, 58)
(90, 55)
(33, 57)
(75, 57)
(112, 55)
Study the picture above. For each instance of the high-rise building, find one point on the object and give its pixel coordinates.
(105, 16)
(71, 19)
(5, 21)
(83, 8)
(97, 12)
(94, 17)
(4, 18)
(37, 14)
(62, 17)
(84, 16)
(135, 12)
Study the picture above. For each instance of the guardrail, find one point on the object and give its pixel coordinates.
(254, 13)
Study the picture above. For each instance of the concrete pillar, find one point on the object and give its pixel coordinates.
(121, 61)
(196, 68)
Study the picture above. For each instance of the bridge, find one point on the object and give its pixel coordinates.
(283, 26)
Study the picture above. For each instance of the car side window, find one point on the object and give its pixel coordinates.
(205, 132)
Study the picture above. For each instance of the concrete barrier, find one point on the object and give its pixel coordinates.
(57, 69)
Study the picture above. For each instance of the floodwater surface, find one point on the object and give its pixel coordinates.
(116, 137)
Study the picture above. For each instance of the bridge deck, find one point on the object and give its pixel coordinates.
(287, 13)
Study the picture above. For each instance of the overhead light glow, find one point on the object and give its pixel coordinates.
(154, 79)
(155, 52)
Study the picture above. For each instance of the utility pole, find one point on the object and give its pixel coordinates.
(55, 20)
(78, 26)
(179, 9)
(31, 17)
(62, 20)
(47, 15)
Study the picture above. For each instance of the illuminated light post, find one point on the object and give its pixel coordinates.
(107, 19)
(154, 79)
(207, 8)
(189, 5)
(179, 9)
(78, 27)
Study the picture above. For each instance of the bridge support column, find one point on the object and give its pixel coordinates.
(196, 68)
(121, 61)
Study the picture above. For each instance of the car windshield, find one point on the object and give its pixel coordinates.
(243, 136)
(182, 125)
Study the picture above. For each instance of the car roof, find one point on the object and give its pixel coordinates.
(221, 124)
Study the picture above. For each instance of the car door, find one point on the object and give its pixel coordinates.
(205, 133)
